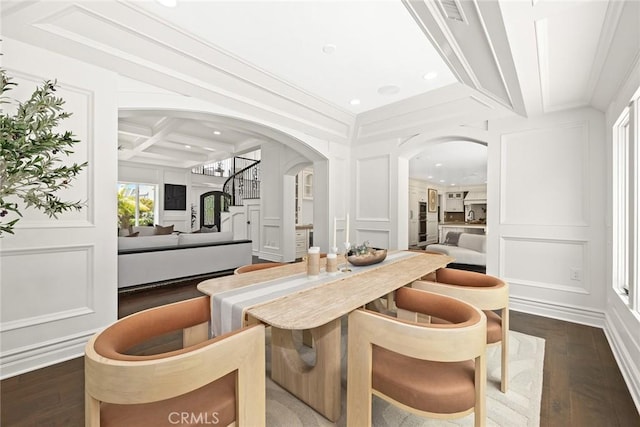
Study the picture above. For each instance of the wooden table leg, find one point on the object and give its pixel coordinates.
(319, 385)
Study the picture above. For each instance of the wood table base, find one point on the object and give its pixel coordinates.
(319, 385)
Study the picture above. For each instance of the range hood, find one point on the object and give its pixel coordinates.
(475, 198)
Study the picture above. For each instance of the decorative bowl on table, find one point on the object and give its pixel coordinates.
(372, 256)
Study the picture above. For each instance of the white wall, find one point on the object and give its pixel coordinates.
(622, 327)
(547, 197)
(380, 189)
(59, 277)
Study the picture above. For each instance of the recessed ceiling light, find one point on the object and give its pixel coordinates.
(430, 76)
(438, 165)
(209, 148)
(354, 102)
(329, 48)
(430, 177)
(388, 90)
(453, 185)
(442, 180)
(217, 132)
(168, 3)
(187, 146)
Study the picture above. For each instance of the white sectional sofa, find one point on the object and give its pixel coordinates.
(155, 258)
(471, 249)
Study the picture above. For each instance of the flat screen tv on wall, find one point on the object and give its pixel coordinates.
(175, 197)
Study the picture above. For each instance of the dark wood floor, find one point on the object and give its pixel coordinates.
(582, 384)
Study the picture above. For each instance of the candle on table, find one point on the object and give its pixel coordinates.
(346, 233)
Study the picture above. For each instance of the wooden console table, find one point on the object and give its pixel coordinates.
(320, 309)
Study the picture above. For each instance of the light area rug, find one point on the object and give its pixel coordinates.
(519, 407)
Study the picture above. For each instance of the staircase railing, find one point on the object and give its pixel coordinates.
(243, 184)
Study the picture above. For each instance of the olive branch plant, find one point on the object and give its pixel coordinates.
(31, 168)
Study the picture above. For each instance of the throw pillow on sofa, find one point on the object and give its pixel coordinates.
(212, 229)
(160, 230)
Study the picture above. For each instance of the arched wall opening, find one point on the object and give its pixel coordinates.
(411, 148)
(294, 154)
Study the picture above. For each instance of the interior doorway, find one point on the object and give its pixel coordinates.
(211, 204)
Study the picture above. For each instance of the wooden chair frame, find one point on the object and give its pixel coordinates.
(421, 341)
(135, 382)
(493, 297)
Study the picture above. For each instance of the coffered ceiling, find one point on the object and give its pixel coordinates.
(459, 59)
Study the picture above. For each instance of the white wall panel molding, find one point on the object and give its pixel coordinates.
(554, 264)
(560, 198)
(554, 310)
(79, 102)
(25, 359)
(120, 36)
(27, 272)
(373, 188)
(376, 238)
(48, 318)
(59, 282)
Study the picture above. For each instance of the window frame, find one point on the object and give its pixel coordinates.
(136, 219)
(626, 204)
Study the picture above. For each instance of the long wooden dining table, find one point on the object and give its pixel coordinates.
(318, 307)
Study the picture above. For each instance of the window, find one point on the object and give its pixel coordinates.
(136, 204)
(626, 171)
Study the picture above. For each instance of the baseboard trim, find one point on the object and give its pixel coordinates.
(629, 369)
(29, 358)
(552, 310)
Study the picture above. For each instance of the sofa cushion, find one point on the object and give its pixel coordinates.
(203, 238)
(475, 242)
(144, 230)
(452, 238)
(160, 230)
(144, 242)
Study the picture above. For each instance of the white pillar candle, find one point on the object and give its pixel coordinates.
(346, 233)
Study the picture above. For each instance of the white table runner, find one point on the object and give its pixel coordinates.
(228, 308)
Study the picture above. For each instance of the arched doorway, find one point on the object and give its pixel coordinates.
(211, 204)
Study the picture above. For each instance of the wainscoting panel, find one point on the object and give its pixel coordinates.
(376, 238)
(80, 102)
(373, 188)
(28, 274)
(546, 263)
(59, 276)
(555, 159)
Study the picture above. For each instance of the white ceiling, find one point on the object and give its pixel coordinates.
(451, 164)
(376, 44)
(559, 50)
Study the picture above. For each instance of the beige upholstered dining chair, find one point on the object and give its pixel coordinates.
(258, 266)
(433, 370)
(217, 381)
(486, 292)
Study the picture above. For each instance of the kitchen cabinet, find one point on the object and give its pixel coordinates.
(454, 202)
(303, 237)
(422, 224)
